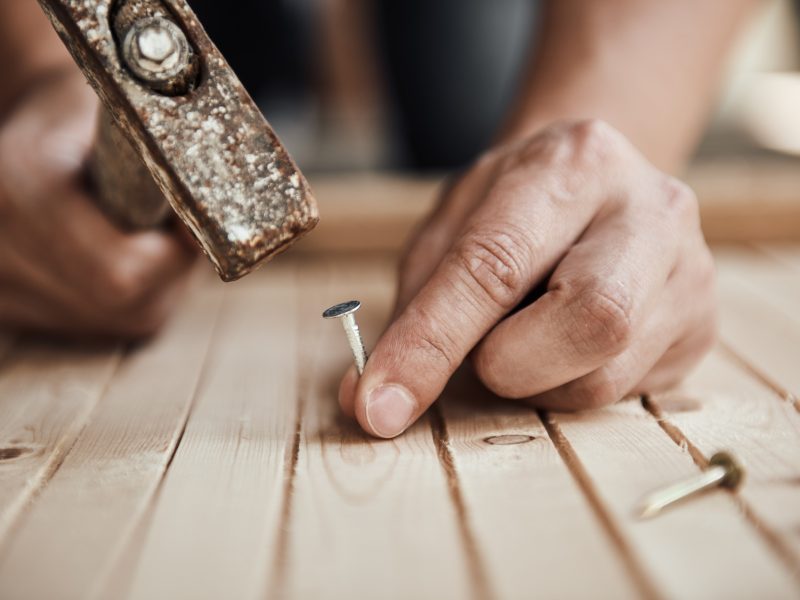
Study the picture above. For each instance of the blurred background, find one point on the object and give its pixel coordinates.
(363, 84)
(421, 87)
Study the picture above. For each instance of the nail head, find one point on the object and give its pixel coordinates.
(342, 309)
(734, 472)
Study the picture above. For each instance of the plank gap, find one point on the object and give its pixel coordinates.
(116, 579)
(782, 393)
(441, 440)
(25, 501)
(774, 542)
(278, 578)
(565, 450)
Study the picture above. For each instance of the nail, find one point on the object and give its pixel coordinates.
(346, 313)
(390, 409)
(723, 471)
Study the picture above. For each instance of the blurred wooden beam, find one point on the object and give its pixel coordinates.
(740, 201)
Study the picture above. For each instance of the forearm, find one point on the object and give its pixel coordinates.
(29, 49)
(649, 68)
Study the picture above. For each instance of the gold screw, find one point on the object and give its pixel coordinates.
(723, 470)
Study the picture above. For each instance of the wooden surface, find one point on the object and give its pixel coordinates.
(212, 462)
(740, 200)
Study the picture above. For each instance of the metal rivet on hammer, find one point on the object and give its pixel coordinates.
(156, 50)
(723, 470)
(346, 313)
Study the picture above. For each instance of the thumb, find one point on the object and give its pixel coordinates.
(477, 283)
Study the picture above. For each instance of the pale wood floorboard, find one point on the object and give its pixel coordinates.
(368, 518)
(760, 318)
(533, 526)
(693, 551)
(83, 518)
(46, 396)
(721, 407)
(213, 528)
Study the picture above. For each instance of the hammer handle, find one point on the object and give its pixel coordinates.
(124, 188)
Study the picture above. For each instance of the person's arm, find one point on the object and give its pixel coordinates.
(64, 267)
(567, 208)
(650, 69)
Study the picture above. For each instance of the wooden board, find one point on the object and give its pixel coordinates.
(720, 407)
(740, 201)
(532, 525)
(213, 462)
(693, 551)
(759, 319)
(214, 527)
(385, 500)
(108, 480)
(46, 396)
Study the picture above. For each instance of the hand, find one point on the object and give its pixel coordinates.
(64, 267)
(609, 252)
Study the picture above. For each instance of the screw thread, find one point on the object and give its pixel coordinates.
(355, 341)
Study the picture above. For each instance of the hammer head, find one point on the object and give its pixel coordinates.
(208, 148)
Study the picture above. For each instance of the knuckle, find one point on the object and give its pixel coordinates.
(590, 142)
(602, 318)
(435, 342)
(681, 201)
(708, 334)
(121, 288)
(485, 362)
(706, 272)
(494, 264)
(596, 391)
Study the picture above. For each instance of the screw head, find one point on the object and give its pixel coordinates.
(156, 51)
(156, 43)
(734, 472)
(340, 310)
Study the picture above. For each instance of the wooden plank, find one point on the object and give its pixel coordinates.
(368, 212)
(720, 406)
(747, 198)
(788, 254)
(759, 318)
(777, 282)
(703, 549)
(368, 518)
(741, 200)
(47, 393)
(214, 525)
(532, 524)
(109, 478)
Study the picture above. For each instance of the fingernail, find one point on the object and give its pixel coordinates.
(390, 409)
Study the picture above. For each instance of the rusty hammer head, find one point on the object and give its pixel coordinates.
(190, 121)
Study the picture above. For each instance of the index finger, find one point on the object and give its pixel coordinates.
(529, 220)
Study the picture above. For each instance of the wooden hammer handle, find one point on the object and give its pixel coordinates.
(124, 187)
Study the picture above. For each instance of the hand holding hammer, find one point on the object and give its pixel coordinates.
(176, 125)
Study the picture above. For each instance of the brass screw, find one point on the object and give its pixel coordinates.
(346, 312)
(723, 470)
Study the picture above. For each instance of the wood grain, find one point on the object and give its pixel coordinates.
(213, 528)
(722, 407)
(760, 321)
(47, 393)
(532, 524)
(110, 476)
(695, 550)
(369, 518)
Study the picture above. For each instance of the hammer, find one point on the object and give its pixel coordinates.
(178, 129)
